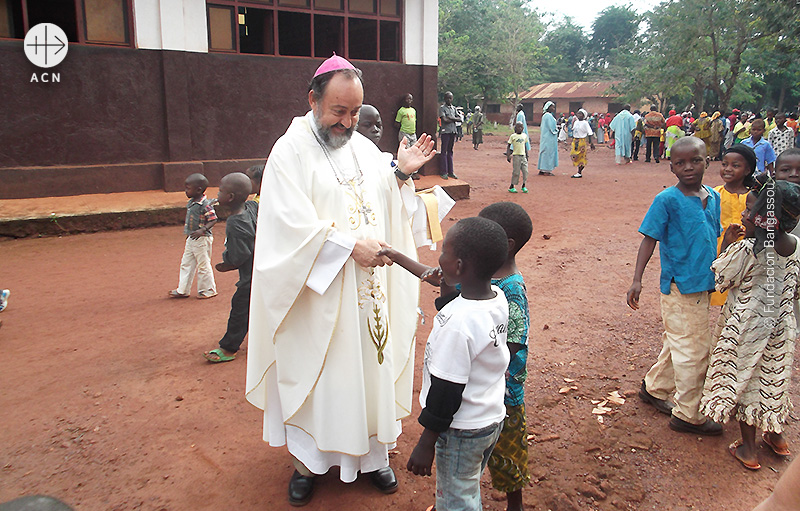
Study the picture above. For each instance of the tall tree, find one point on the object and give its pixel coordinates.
(488, 47)
(775, 62)
(722, 51)
(567, 52)
(516, 48)
(716, 34)
(614, 27)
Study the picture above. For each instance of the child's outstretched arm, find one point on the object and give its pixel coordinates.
(421, 271)
(442, 403)
(642, 258)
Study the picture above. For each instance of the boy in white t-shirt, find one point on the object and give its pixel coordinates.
(464, 369)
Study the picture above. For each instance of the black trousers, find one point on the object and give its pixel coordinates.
(238, 321)
(446, 153)
(635, 143)
(653, 148)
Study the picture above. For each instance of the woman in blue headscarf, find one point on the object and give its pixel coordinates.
(548, 141)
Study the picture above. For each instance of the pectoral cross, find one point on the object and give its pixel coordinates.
(362, 207)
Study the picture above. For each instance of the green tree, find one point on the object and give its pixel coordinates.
(614, 27)
(487, 47)
(516, 48)
(717, 51)
(774, 61)
(716, 34)
(567, 48)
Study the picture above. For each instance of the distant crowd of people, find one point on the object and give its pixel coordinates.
(773, 130)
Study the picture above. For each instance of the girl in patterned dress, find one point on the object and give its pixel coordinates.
(751, 364)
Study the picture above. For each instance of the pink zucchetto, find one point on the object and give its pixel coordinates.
(333, 64)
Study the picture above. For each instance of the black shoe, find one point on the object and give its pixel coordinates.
(647, 161)
(452, 176)
(658, 161)
(662, 405)
(300, 489)
(708, 428)
(384, 480)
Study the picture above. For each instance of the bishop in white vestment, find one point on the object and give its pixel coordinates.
(331, 346)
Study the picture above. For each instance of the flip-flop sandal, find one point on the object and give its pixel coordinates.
(220, 356)
(777, 450)
(749, 466)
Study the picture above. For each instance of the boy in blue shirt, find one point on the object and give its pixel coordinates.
(765, 154)
(685, 220)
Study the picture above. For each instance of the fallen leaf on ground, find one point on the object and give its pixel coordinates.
(616, 400)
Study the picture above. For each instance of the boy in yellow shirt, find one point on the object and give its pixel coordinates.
(517, 152)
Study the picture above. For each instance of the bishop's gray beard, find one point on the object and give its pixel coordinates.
(331, 139)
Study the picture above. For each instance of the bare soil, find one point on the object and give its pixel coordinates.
(107, 404)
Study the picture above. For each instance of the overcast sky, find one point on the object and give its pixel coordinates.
(584, 12)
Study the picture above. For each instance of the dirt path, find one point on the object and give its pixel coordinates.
(107, 404)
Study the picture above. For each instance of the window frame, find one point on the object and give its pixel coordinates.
(80, 25)
(313, 11)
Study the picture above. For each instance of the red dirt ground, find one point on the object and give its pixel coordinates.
(108, 405)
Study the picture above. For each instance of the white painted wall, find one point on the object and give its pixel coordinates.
(421, 35)
(171, 25)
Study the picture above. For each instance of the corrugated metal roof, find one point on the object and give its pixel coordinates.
(567, 90)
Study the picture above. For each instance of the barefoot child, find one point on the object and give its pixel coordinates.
(200, 218)
(517, 154)
(738, 166)
(684, 219)
(240, 238)
(508, 464)
(465, 362)
(751, 365)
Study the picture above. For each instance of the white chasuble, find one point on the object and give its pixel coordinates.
(332, 372)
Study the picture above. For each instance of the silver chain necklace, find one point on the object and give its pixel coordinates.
(354, 184)
(336, 171)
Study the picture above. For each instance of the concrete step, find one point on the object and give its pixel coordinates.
(55, 216)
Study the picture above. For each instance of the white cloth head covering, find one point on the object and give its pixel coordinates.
(547, 106)
(585, 113)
